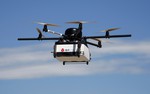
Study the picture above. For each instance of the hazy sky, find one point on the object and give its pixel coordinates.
(120, 67)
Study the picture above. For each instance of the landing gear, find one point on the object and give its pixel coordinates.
(78, 53)
(78, 50)
(87, 63)
(64, 62)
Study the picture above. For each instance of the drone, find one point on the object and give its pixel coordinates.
(72, 46)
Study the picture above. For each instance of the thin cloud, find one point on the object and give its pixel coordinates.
(41, 70)
(28, 62)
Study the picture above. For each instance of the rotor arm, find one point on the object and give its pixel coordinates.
(53, 32)
(118, 36)
(24, 39)
(110, 36)
(93, 44)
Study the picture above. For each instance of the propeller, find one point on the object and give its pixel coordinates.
(77, 22)
(38, 30)
(47, 24)
(40, 33)
(110, 29)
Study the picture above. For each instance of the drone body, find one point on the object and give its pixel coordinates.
(72, 46)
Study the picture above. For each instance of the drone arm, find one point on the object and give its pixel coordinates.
(118, 36)
(23, 39)
(110, 36)
(93, 44)
(53, 32)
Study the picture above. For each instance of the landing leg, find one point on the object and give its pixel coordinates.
(78, 50)
(64, 62)
(87, 63)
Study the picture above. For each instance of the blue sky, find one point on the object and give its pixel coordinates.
(120, 67)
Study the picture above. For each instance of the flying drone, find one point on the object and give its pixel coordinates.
(72, 46)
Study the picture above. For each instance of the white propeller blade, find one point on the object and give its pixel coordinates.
(77, 22)
(41, 23)
(39, 31)
(110, 29)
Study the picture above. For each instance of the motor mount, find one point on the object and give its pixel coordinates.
(100, 44)
(45, 28)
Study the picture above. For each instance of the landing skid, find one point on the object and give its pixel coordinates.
(64, 62)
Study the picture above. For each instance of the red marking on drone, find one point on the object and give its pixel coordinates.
(62, 50)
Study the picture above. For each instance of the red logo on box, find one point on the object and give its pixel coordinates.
(62, 50)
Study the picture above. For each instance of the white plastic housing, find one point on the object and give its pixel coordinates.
(70, 50)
